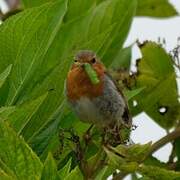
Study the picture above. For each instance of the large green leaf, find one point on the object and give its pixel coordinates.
(4, 75)
(6, 111)
(50, 169)
(32, 3)
(75, 174)
(6, 170)
(122, 59)
(17, 156)
(157, 173)
(160, 98)
(123, 13)
(152, 161)
(119, 162)
(35, 37)
(105, 172)
(4, 84)
(4, 176)
(155, 8)
(40, 27)
(40, 141)
(135, 152)
(76, 9)
(132, 93)
(22, 114)
(65, 170)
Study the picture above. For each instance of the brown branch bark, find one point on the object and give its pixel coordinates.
(166, 139)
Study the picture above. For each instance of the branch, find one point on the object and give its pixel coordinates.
(166, 139)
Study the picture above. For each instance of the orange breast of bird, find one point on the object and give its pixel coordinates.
(79, 85)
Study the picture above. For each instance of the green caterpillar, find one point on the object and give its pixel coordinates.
(91, 73)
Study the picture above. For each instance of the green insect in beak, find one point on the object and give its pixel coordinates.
(91, 73)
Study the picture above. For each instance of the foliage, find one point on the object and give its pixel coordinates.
(154, 8)
(156, 73)
(40, 138)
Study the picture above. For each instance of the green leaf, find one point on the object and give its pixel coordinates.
(6, 111)
(32, 3)
(155, 8)
(157, 173)
(130, 94)
(105, 172)
(122, 59)
(75, 11)
(5, 74)
(114, 160)
(4, 93)
(31, 51)
(138, 152)
(156, 73)
(4, 86)
(134, 176)
(75, 174)
(120, 162)
(50, 169)
(65, 170)
(73, 6)
(144, 178)
(135, 152)
(129, 167)
(23, 113)
(124, 14)
(4, 176)
(17, 156)
(6, 170)
(40, 27)
(155, 162)
(41, 139)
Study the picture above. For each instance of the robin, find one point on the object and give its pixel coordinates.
(102, 103)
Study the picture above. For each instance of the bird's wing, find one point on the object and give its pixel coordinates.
(126, 115)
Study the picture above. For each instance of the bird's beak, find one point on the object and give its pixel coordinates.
(79, 64)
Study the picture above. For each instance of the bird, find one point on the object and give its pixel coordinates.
(102, 104)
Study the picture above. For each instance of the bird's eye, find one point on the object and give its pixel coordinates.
(93, 60)
(75, 60)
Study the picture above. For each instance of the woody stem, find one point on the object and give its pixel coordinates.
(166, 139)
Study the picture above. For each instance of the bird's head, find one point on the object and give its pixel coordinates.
(87, 61)
(85, 56)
